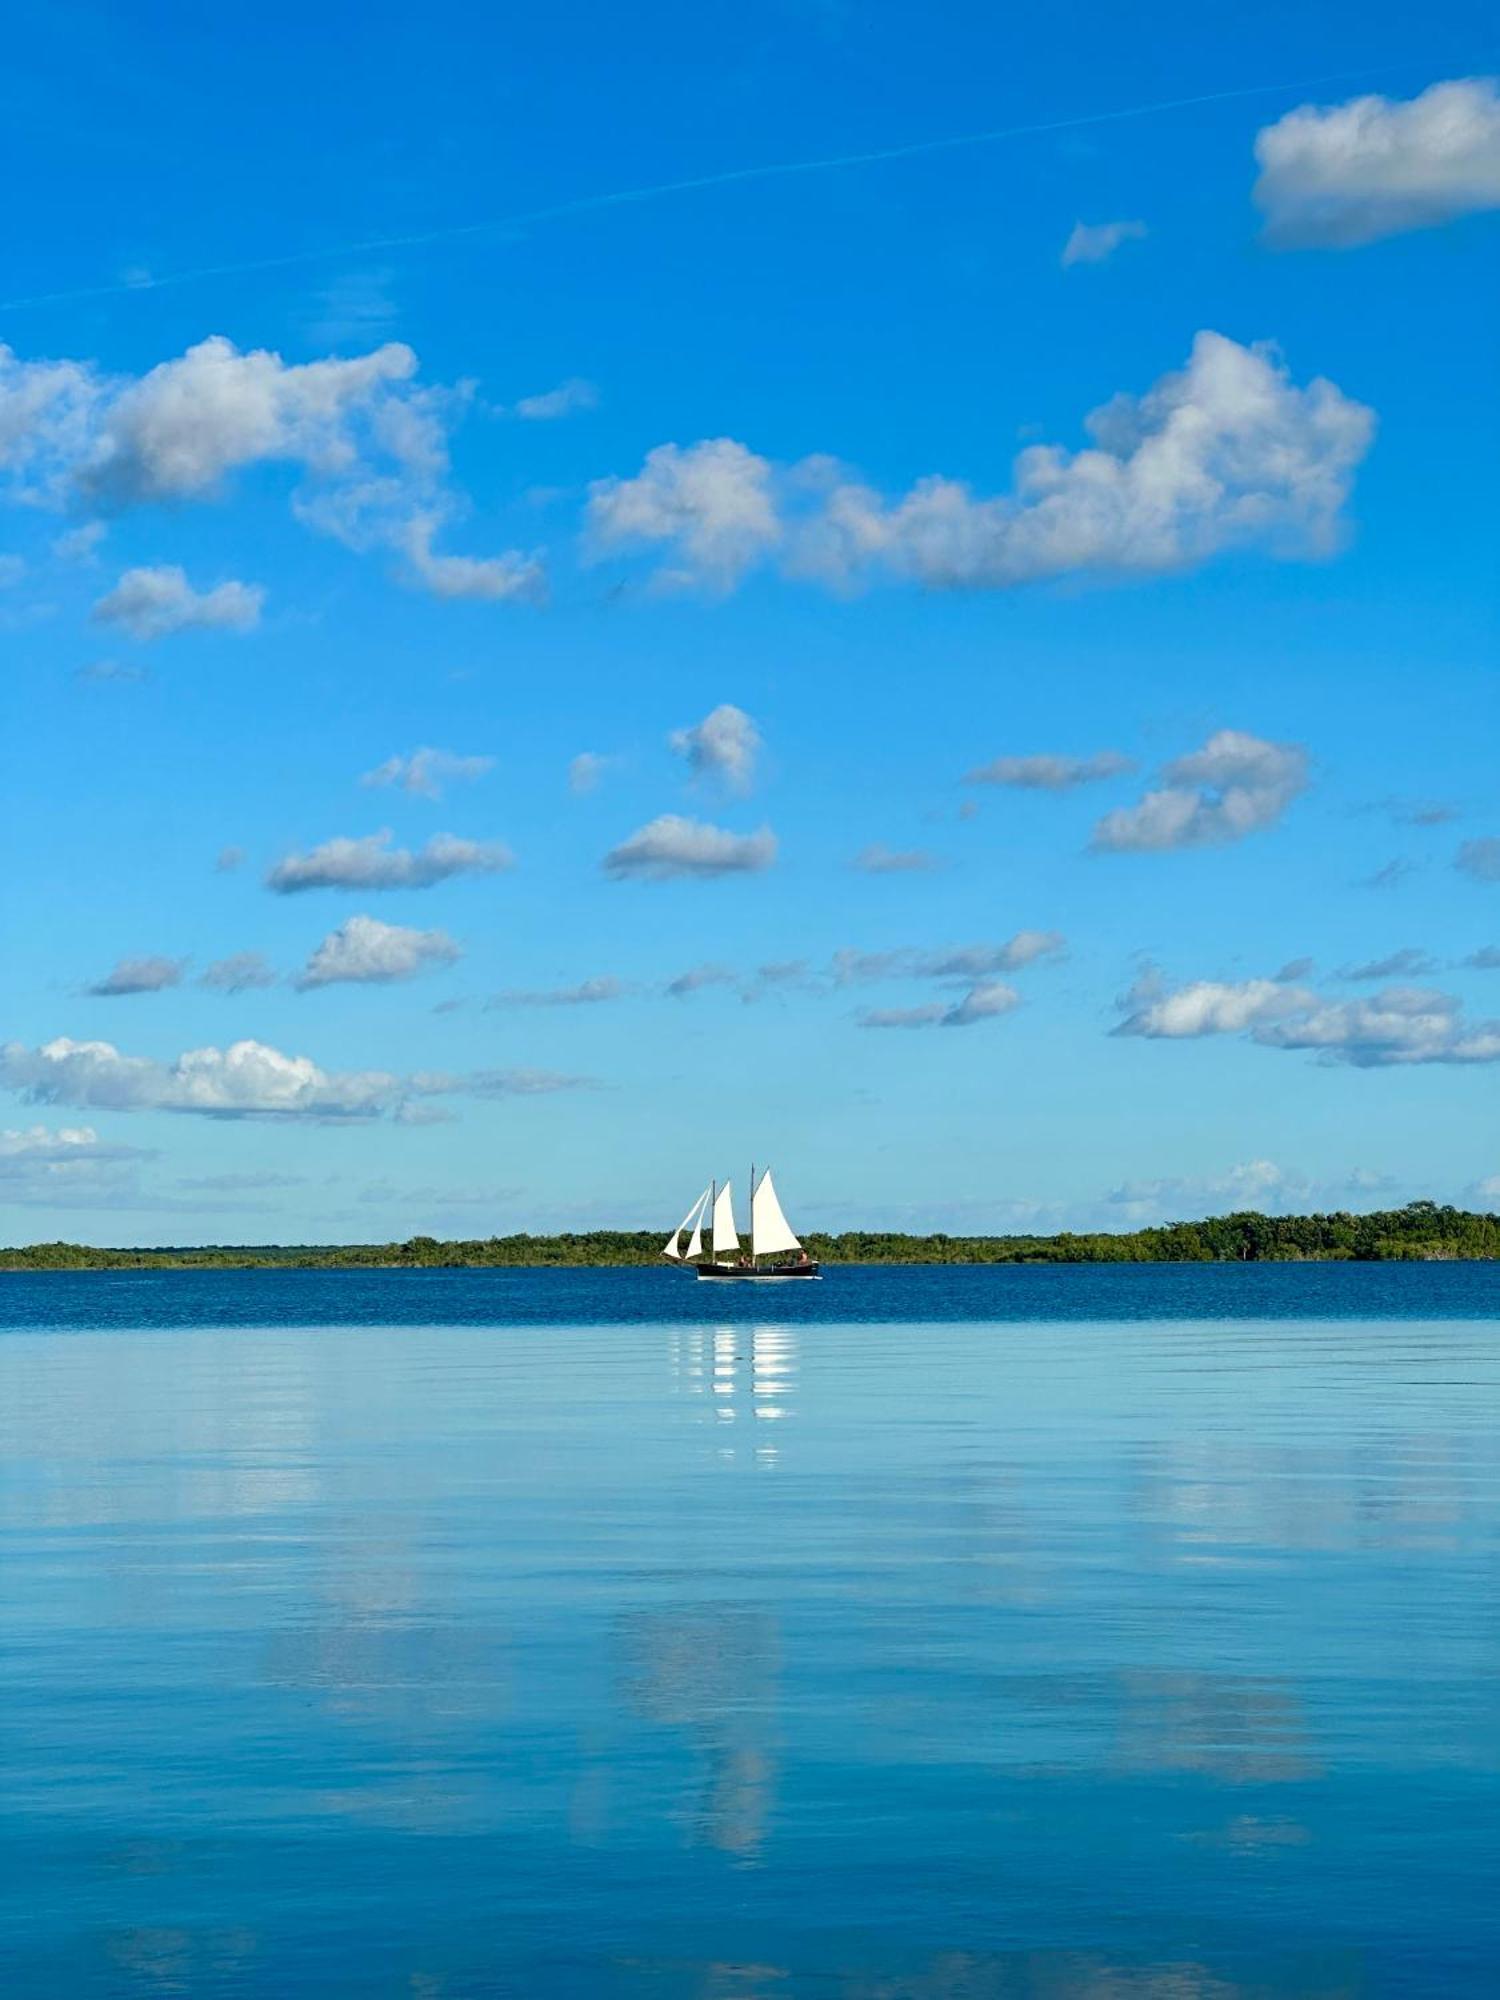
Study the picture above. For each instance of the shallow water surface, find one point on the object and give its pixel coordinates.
(946, 1658)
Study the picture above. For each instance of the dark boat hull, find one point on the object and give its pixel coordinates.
(745, 1274)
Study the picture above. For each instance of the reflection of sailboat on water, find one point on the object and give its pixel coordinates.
(772, 1251)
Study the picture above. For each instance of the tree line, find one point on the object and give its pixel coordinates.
(1420, 1230)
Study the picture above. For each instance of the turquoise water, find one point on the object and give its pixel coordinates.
(534, 1634)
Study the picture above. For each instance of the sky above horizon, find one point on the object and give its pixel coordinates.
(589, 599)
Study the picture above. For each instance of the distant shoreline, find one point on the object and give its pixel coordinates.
(1422, 1232)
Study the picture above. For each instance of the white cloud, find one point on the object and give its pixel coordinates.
(588, 993)
(240, 972)
(671, 846)
(983, 1002)
(364, 951)
(425, 772)
(1093, 242)
(80, 545)
(724, 745)
(248, 1079)
(1207, 1007)
(1486, 959)
(566, 400)
(1235, 785)
(712, 503)
(487, 579)
(228, 859)
(585, 772)
(1480, 858)
(699, 977)
(138, 975)
(370, 442)
(1049, 773)
(1229, 453)
(112, 673)
(1350, 173)
(370, 862)
(878, 859)
(151, 603)
(1398, 1027)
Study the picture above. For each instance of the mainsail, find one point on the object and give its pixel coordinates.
(692, 1220)
(725, 1235)
(770, 1231)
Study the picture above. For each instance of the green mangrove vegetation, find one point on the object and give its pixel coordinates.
(1420, 1230)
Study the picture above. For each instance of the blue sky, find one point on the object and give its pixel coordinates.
(775, 497)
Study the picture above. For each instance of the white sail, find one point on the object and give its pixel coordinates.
(695, 1241)
(770, 1231)
(726, 1237)
(692, 1220)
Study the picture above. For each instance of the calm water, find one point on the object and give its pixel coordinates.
(934, 1636)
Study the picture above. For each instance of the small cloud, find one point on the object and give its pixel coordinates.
(588, 993)
(1094, 242)
(511, 577)
(697, 977)
(240, 972)
(229, 858)
(585, 772)
(984, 1002)
(724, 745)
(1407, 963)
(370, 862)
(1486, 959)
(878, 859)
(1237, 784)
(566, 400)
(364, 951)
(1047, 773)
(1479, 858)
(138, 975)
(80, 545)
(12, 569)
(425, 772)
(1388, 877)
(671, 847)
(112, 673)
(153, 603)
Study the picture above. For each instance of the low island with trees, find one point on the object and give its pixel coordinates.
(1421, 1230)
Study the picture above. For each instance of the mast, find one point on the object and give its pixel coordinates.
(752, 1215)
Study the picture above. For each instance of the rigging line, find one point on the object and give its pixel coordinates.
(692, 184)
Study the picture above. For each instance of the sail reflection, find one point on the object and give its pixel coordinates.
(741, 1374)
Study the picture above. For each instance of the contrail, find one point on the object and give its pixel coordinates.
(661, 190)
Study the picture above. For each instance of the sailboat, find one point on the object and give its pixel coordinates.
(772, 1251)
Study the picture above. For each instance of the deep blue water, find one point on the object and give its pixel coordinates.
(922, 1635)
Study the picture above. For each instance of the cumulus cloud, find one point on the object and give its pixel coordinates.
(981, 1003)
(566, 400)
(1346, 174)
(1407, 963)
(248, 1079)
(370, 862)
(1093, 242)
(364, 951)
(1235, 785)
(153, 603)
(138, 975)
(671, 847)
(426, 772)
(1480, 858)
(588, 993)
(369, 440)
(585, 772)
(240, 972)
(1228, 453)
(1397, 1027)
(711, 503)
(724, 745)
(1049, 773)
(878, 859)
